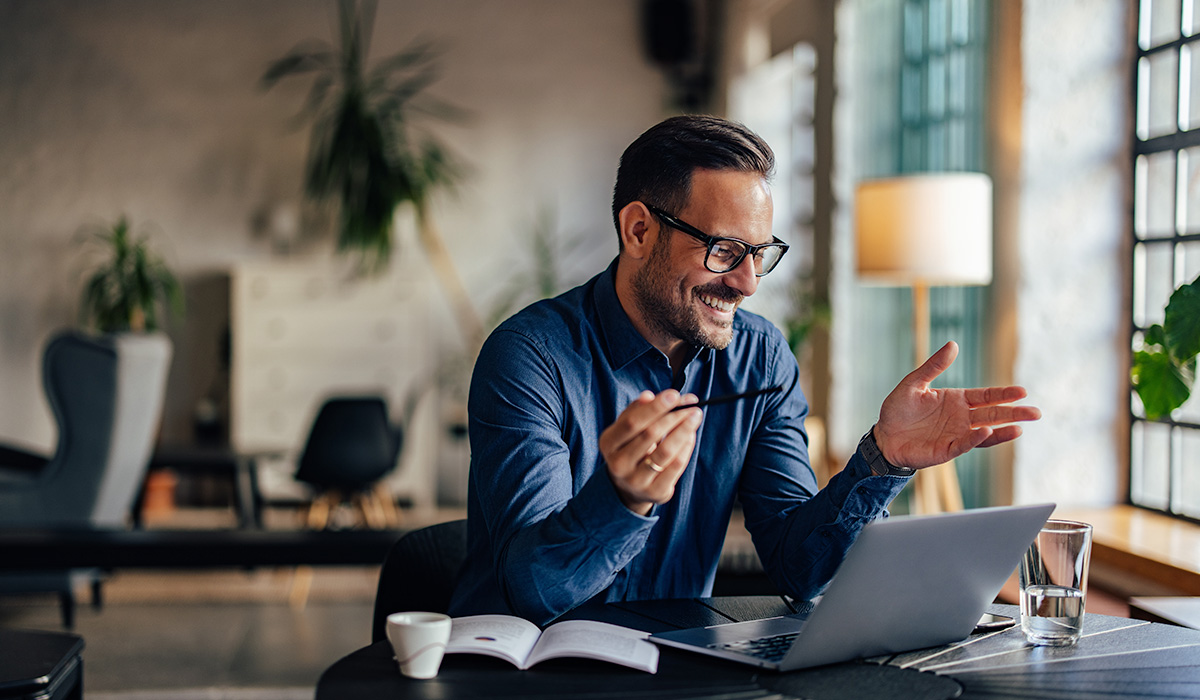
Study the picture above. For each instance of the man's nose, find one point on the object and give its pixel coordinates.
(741, 278)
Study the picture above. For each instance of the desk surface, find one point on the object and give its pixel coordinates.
(39, 664)
(1116, 657)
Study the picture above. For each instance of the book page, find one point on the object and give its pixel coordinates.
(503, 636)
(596, 640)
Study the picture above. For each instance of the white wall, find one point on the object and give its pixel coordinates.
(1073, 224)
(152, 108)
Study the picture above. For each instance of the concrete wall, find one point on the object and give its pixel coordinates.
(152, 108)
(1074, 219)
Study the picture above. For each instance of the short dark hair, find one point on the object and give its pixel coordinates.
(657, 167)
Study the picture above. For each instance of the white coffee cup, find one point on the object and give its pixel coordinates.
(419, 641)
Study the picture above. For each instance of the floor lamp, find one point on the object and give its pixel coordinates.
(932, 229)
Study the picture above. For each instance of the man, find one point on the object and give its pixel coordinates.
(586, 485)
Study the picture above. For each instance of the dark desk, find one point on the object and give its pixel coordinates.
(115, 549)
(1116, 657)
(241, 468)
(40, 665)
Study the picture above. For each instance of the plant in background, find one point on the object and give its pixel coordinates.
(363, 156)
(129, 285)
(540, 270)
(808, 313)
(1164, 369)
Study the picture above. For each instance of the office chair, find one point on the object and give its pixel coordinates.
(351, 447)
(419, 572)
(106, 394)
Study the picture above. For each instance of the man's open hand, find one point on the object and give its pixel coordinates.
(920, 426)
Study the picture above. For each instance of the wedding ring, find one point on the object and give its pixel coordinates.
(650, 463)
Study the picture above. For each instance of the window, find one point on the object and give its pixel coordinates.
(1165, 454)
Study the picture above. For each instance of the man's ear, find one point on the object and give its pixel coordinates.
(638, 230)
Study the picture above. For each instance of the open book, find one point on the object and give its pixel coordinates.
(521, 643)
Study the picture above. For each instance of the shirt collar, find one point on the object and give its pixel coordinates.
(622, 341)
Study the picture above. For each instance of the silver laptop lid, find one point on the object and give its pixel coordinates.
(911, 582)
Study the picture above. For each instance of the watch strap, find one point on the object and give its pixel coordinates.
(875, 459)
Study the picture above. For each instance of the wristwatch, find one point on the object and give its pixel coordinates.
(875, 459)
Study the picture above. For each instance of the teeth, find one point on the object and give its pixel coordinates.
(725, 306)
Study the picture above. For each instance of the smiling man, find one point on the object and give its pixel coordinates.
(591, 478)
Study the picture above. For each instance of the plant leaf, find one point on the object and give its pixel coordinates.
(301, 60)
(1162, 384)
(1182, 322)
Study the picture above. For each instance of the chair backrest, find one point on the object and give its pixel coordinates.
(106, 394)
(351, 446)
(420, 572)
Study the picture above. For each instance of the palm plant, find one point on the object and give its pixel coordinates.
(129, 285)
(364, 155)
(1164, 369)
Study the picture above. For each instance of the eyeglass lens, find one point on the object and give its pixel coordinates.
(724, 255)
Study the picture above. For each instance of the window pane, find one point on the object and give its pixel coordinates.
(1150, 458)
(1191, 57)
(1156, 283)
(1156, 196)
(1163, 114)
(1189, 457)
(1164, 21)
(1191, 190)
(1190, 253)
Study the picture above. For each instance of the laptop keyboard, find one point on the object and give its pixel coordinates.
(770, 648)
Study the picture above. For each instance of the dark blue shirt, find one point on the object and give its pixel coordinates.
(546, 529)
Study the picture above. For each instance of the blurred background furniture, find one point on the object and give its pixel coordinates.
(419, 572)
(351, 447)
(106, 394)
(305, 330)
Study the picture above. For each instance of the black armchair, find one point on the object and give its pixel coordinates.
(106, 394)
(420, 572)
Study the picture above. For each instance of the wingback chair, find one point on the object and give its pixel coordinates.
(106, 395)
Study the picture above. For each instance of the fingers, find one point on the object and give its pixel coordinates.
(994, 395)
(1001, 434)
(649, 446)
(937, 363)
(645, 423)
(999, 415)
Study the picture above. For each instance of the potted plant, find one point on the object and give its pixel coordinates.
(129, 286)
(365, 157)
(125, 299)
(1164, 368)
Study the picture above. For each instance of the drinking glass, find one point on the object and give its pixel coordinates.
(1053, 575)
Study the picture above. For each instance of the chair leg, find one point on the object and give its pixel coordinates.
(318, 512)
(97, 593)
(66, 600)
(302, 579)
(370, 512)
(391, 514)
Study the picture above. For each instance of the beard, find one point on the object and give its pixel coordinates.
(677, 316)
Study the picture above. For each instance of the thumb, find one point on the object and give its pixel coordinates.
(937, 363)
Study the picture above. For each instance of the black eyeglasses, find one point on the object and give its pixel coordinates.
(724, 254)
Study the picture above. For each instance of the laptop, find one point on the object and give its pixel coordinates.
(908, 582)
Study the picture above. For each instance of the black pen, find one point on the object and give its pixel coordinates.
(729, 397)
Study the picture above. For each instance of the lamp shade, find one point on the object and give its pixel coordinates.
(932, 229)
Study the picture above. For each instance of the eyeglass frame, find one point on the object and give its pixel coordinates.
(710, 241)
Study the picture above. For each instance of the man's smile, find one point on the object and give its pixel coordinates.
(725, 301)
